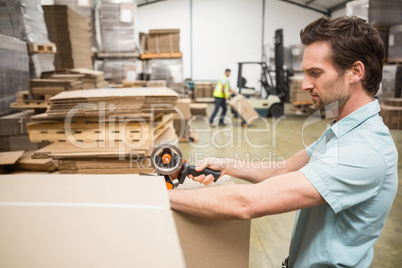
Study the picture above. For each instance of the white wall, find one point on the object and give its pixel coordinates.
(224, 31)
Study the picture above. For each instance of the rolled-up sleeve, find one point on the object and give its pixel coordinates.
(346, 174)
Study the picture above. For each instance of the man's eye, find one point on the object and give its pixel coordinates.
(316, 74)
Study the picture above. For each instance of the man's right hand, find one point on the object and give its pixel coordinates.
(212, 163)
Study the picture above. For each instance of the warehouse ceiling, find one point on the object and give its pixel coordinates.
(322, 6)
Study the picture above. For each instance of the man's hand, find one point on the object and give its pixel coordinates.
(212, 163)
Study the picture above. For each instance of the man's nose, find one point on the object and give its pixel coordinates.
(307, 85)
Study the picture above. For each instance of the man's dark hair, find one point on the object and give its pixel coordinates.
(227, 70)
(351, 39)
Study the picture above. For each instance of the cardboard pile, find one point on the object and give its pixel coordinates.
(54, 86)
(244, 109)
(199, 109)
(391, 113)
(163, 41)
(105, 130)
(14, 134)
(203, 91)
(89, 78)
(297, 95)
(71, 34)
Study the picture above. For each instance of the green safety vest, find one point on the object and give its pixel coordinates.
(218, 89)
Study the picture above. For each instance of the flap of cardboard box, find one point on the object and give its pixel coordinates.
(86, 221)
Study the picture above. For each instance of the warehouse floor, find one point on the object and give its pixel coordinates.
(269, 139)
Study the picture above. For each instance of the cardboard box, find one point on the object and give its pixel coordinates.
(163, 41)
(184, 106)
(244, 109)
(213, 244)
(86, 221)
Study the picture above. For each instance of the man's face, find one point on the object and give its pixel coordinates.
(321, 79)
(227, 74)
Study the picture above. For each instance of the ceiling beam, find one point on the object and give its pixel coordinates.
(149, 2)
(307, 7)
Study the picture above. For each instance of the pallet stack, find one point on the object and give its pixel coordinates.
(391, 112)
(298, 96)
(203, 91)
(104, 130)
(71, 34)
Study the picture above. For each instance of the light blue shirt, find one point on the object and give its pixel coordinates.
(353, 165)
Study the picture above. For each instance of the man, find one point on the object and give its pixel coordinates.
(344, 183)
(221, 94)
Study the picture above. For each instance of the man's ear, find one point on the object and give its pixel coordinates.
(356, 72)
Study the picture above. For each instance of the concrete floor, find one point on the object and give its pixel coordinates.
(269, 139)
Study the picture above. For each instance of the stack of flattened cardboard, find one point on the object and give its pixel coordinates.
(71, 33)
(19, 160)
(89, 78)
(14, 134)
(296, 94)
(203, 91)
(163, 41)
(105, 130)
(391, 112)
(55, 85)
(122, 101)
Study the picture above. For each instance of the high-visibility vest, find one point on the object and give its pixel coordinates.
(218, 89)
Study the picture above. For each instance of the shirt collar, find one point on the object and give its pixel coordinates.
(355, 118)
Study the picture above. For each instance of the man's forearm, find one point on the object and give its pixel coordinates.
(255, 172)
(218, 203)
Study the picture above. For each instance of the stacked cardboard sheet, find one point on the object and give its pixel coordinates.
(71, 33)
(54, 86)
(203, 91)
(14, 134)
(163, 41)
(123, 101)
(89, 78)
(391, 112)
(105, 130)
(297, 95)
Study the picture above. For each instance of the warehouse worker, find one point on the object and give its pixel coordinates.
(221, 94)
(342, 185)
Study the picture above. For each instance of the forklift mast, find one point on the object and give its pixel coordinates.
(280, 87)
(279, 62)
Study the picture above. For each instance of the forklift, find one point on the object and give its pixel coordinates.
(273, 104)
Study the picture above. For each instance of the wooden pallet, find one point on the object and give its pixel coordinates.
(161, 55)
(103, 55)
(42, 48)
(27, 101)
